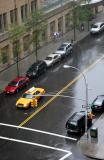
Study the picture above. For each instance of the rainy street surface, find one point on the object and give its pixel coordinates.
(39, 133)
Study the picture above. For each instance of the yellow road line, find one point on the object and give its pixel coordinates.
(62, 90)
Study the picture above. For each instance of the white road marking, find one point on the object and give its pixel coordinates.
(39, 131)
(39, 145)
(66, 156)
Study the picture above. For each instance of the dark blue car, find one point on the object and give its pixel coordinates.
(98, 103)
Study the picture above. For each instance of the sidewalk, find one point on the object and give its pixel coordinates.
(8, 74)
(94, 147)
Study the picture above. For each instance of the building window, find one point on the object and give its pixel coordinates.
(24, 12)
(1, 27)
(13, 16)
(52, 27)
(4, 55)
(67, 22)
(3, 22)
(33, 6)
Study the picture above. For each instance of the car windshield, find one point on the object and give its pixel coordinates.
(61, 49)
(63, 45)
(33, 67)
(13, 83)
(49, 58)
(95, 26)
(98, 102)
(28, 96)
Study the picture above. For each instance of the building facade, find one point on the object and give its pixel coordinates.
(16, 12)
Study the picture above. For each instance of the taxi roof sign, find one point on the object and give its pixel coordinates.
(31, 89)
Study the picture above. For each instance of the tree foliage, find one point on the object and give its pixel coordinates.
(37, 25)
(84, 13)
(80, 13)
(14, 33)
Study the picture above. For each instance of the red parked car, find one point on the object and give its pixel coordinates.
(16, 84)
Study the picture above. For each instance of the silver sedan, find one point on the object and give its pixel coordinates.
(52, 59)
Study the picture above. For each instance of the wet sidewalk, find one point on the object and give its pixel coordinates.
(10, 73)
(94, 147)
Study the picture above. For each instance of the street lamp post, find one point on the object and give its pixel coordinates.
(86, 99)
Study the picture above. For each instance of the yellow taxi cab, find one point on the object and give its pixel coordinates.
(30, 98)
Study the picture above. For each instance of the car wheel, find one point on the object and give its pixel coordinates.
(17, 91)
(27, 83)
(29, 105)
(71, 51)
(68, 132)
(65, 55)
(52, 65)
(45, 69)
(59, 60)
(81, 131)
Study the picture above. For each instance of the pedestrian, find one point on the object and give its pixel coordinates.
(82, 26)
(90, 115)
(56, 35)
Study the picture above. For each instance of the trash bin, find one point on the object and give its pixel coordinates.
(94, 132)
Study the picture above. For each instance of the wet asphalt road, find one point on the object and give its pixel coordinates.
(54, 116)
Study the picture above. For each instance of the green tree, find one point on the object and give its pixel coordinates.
(15, 32)
(37, 25)
(80, 13)
(74, 17)
(84, 13)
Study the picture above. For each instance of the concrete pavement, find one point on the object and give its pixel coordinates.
(94, 147)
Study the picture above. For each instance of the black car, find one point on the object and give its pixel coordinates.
(76, 123)
(36, 69)
(98, 103)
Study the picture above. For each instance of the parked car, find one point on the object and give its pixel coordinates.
(76, 123)
(97, 28)
(98, 103)
(36, 69)
(16, 84)
(30, 98)
(64, 50)
(52, 59)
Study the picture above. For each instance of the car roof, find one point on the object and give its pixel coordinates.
(32, 90)
(76, 116)
(52, 55)
(37, 63)
(100, 97)
(61, 47)
(65, 43)
(18, 79)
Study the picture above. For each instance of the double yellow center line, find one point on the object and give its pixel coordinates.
(60, 92)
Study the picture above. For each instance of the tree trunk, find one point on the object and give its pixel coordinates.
(36, 50)
(17, 67)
